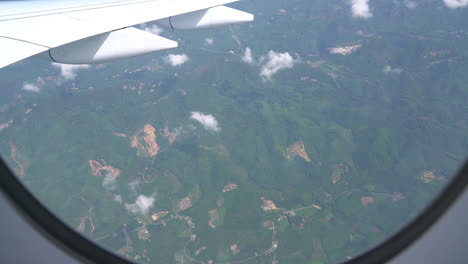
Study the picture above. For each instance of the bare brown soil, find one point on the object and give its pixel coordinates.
(367, 200)
(158, 215)
(297, 149)
(230, 187)
(429, 175)
(184, 204)
(18, 159)
(171, 136)
(96, 168)
(145, 142)
(396, 196)
(234, 249)
(214, 215)
(268, 205)
(143, 234)
(200, 250)
(338, 170)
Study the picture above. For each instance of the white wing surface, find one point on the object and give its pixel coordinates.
(98, 31)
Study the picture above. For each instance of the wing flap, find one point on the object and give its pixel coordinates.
(55, 24)
(51, 31)
(118, 44)
(54, 30)
(14, 50)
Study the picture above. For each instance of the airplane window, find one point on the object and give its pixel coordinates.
(309, 135)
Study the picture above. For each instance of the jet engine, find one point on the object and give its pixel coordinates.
(206, 18)
(118, 44)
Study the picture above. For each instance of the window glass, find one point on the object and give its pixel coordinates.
(307, 136)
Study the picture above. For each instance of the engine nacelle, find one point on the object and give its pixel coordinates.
(206, 18)
(114, 45)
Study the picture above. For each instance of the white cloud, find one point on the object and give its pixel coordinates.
(207, 121)
(133, 185)
(153, 29)
(31, 87)
(34, 87)
(176, 59)
(183, 129)
(109, 182)
(389, 70)
(456, 3)
(276, 62)
(141, 205)
(344, 50)
(209, 41)
(68, 71)
(118, 198)
(5, 125)
(360, 8)
(247, 58)
(410, 4)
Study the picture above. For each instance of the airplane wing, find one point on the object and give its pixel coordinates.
(79, 32)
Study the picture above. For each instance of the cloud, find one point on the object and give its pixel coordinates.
(360, 8)
(456, 3)
(31, 87)
(109, 182)
(176, 59)
(410, 4)
(118, 198)
(276, 62)
(183, 129)
(389, 70)
(68, 71)
(207, 121)
(133, 185)
(141, 205)
(34, 87)
(209, 41)
(247, 58)
(153, 29)
(5, 125)
(344, 50)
